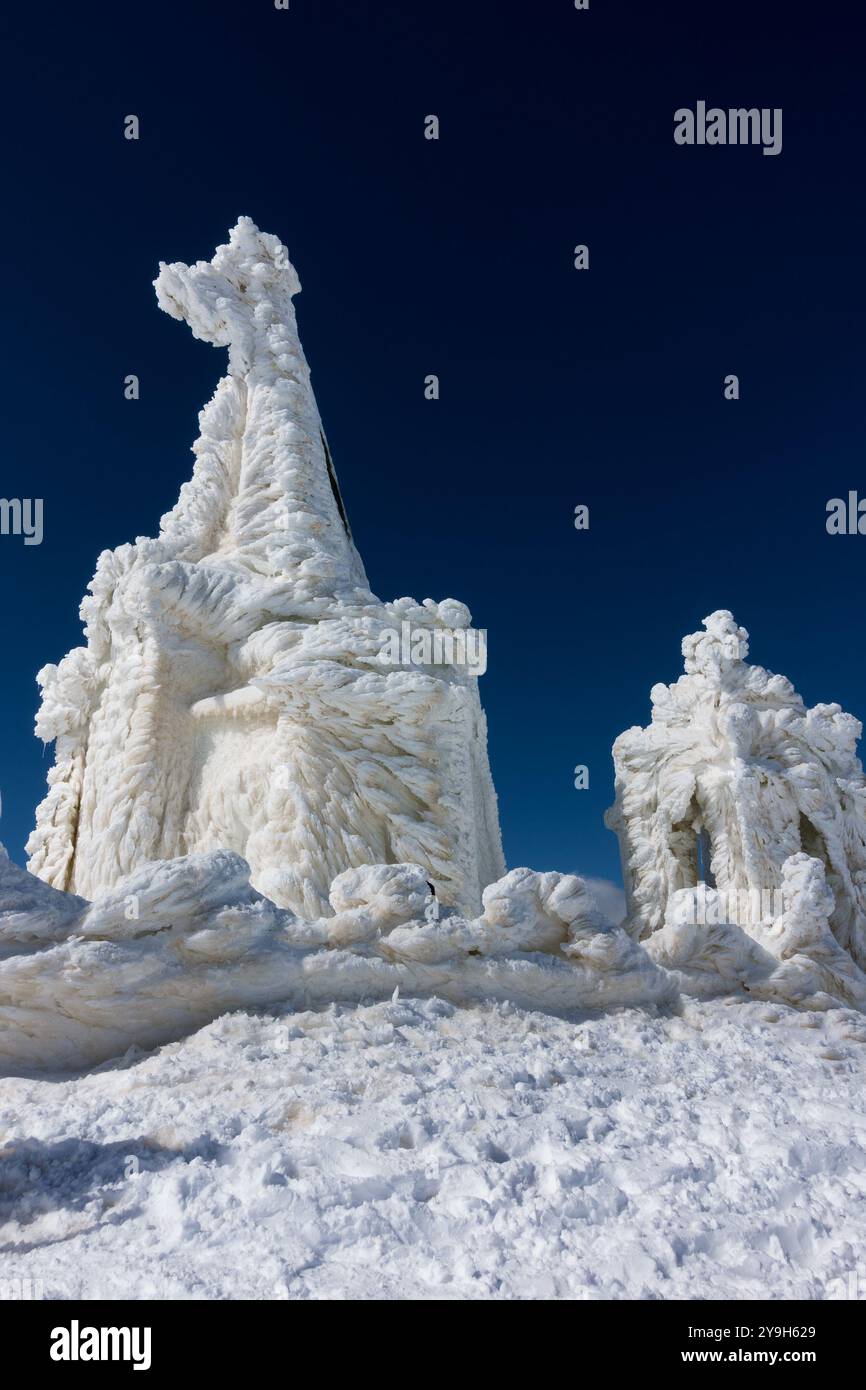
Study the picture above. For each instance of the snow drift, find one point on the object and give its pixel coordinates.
(178, 943)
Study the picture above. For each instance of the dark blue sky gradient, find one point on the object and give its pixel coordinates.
(456, 258)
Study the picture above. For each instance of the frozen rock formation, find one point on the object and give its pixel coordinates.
(176, 944)
(236, 691)
(734, 777)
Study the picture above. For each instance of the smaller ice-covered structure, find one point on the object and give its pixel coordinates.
(734, 776)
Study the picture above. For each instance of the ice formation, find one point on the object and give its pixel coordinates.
(236, 691)
(791, 959)
(178, 943)
(255, 802)
(733, 778)
(712, 801)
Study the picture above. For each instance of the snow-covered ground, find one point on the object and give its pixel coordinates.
(413, 1149)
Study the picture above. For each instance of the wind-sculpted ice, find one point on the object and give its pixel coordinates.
(240, 687)
(792, 959)
(178, 943)
(732, 778)
(244, 713)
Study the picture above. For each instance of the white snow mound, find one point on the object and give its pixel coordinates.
(179, 942)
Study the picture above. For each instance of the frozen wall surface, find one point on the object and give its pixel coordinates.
(733, 777)
(238, 690)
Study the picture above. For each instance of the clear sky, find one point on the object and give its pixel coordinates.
(455, 257)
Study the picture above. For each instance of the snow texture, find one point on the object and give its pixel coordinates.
(735, 766)
(236, 690)
(178, 943)
(794, 958)
(415, 1150)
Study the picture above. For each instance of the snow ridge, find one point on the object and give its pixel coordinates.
(178, 943)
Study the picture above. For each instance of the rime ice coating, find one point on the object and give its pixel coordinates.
(249, 806)
(82, 982)
(232, 694)
(735, 772)
(178, 943)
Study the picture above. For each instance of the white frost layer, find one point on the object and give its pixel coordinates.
(233, 693)
(415, 1150)
(793, 959)
(178, 943)
(734, 759)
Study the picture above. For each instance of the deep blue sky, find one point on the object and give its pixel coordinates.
(456, 258)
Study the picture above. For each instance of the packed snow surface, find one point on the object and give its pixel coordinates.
(412, 1149)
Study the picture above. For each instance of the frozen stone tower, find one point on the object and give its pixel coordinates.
(236, 690)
